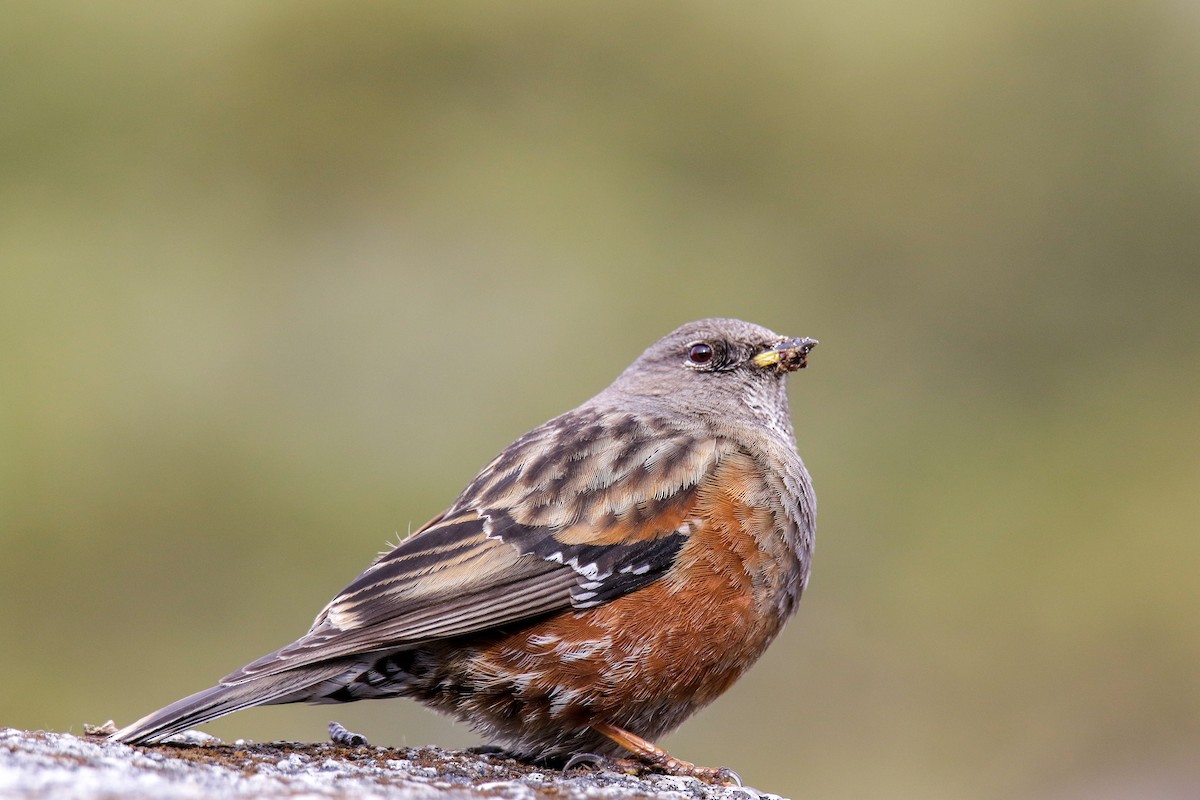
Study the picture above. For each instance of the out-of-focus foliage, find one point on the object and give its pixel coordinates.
(277, 278)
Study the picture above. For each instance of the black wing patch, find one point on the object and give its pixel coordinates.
(606, 571)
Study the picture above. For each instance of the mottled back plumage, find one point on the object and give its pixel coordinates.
(606, 575)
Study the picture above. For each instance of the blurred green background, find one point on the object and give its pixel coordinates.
(276, 279)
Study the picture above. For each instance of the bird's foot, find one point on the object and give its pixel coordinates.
(650, 754)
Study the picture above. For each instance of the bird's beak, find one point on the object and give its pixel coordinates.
(786, 356)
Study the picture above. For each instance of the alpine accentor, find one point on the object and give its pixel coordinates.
(608, 574)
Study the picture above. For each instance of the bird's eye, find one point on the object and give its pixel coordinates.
(700, 353)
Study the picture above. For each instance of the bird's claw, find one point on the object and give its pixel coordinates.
(729, 777)
(583, 758)
(718, 775)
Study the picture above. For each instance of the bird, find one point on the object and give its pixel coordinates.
(605, 576)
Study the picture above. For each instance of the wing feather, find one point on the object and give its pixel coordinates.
(578, 512)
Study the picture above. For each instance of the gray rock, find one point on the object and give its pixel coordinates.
(37, 764)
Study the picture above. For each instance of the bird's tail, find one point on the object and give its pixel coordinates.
(299, 685)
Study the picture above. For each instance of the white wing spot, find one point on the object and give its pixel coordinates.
(591, 570)
(339, 616)
(488, 528)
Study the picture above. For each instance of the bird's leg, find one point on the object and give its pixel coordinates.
(656, 756)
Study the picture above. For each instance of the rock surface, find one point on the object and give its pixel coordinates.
(37, 764)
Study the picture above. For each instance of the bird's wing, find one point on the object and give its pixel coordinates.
(576, 513)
